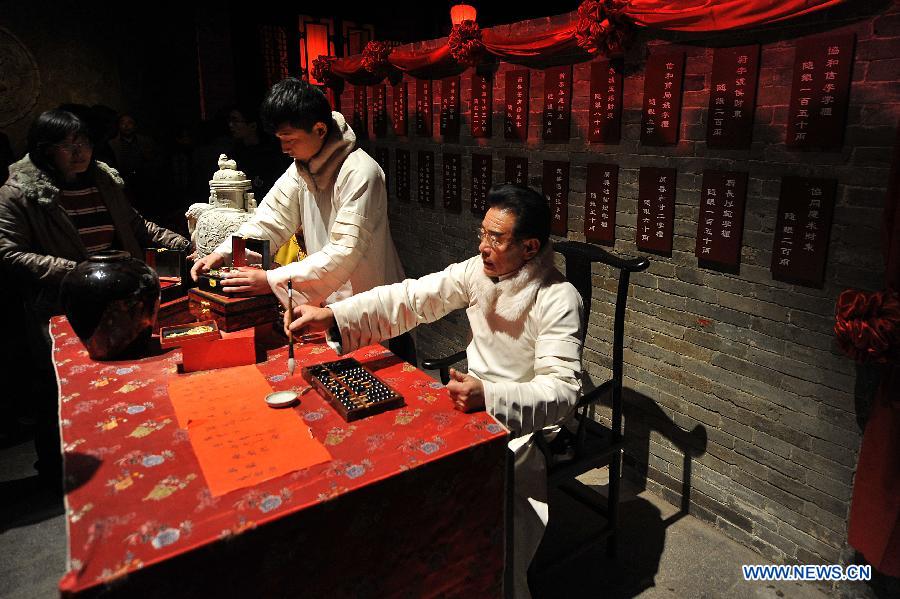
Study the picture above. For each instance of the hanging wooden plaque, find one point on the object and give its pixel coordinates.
(661, 112)
(732, 97)
(601, 194)
(382, 157)
(802, 230)
(656, 209)
(402, 175)
(482, 112)
(605, 104)
(517, 84)
(516, 170)
(720, 223)
(452, 182)
(481, 182)
(426, 177)
(817, 114)
(450, 109)
(556, 190)
(400, 109)
(379, 111)
(360, 112)
(424, 125)
(557, 122)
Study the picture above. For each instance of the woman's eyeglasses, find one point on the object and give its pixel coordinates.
(71, 148)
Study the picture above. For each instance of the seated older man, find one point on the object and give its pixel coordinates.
(525, 355)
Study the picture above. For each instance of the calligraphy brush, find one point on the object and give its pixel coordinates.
(291, 363)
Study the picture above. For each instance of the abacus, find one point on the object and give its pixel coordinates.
(351, 388)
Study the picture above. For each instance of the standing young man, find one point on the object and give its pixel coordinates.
(336, 192)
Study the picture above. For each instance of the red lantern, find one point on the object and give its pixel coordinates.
(462, 12)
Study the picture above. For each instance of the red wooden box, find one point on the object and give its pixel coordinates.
(233, 313)
(178, 335)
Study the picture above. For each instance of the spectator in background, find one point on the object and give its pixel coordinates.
(138, 162)
(255, 152)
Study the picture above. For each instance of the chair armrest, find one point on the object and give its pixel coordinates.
(443, 364)
(593, 395)
(597, 254)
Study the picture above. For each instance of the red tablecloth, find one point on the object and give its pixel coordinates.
(411, 503)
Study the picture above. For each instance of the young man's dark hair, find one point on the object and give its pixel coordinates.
(296, 103)
(529, 207)
(52, 127)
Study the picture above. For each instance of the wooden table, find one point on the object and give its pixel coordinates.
(411, 503)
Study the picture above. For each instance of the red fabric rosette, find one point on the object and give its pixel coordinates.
(867, 325)
(465, 43)
(375, 56)
(321, 71)
(602, 27)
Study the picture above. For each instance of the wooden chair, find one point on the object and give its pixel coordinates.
(592, 445)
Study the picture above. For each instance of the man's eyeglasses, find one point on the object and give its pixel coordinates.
(71, 148)
(497, 242)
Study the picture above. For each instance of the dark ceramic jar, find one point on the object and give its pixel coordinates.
(111, 301)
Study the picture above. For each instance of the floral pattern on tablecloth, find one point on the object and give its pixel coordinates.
(137, 493)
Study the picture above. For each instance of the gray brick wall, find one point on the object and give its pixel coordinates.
(743, 361)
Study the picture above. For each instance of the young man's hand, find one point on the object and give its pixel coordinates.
(205, 263)
(246, 280)
(466, 391)
(308, 319)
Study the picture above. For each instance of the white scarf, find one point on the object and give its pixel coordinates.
(513, 295)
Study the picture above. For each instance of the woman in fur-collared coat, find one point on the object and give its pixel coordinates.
(57, 207)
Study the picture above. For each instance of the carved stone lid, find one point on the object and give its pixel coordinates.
(228, 175)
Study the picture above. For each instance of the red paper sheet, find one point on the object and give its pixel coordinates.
(239, 440)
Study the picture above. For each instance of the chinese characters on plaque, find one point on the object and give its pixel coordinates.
(556, 190)
(516, 126)
(661, 112)
(820, 93)
(605, 102)
(451, 182)
(557, 104)
(399, 111)
(423, 108)
(360, 112)
(402, 175)
(379, 110)
(802, 229)
(481, 182)
(656, 209)
(450, 109)
(382, 157)
(720, 223)
(426, 177)
(732, 97)
(601, 193)
(482, 105)
(516, 170)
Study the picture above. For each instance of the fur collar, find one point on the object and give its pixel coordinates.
(322, 168)
(513, 295)
(37, 185)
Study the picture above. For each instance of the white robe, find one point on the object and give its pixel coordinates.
(528, 361)
(340, 200)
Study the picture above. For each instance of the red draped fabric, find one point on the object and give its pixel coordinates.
(874, 528)
(547, 46)
(719, 15)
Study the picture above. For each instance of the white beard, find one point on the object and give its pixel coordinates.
(511, 298)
